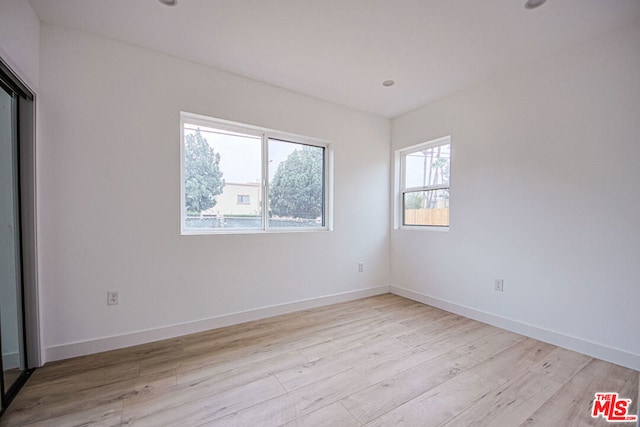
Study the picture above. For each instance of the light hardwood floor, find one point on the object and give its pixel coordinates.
(380, 361)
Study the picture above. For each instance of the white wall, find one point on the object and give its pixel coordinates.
(109, 198)
(545, 175)
(543, 195)
(20, 39)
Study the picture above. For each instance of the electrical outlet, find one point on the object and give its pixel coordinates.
(498, 285)
(360, 267)
(113, 297)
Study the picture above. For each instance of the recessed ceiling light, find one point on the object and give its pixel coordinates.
(388, 83)
(169, 2)
(532, 4)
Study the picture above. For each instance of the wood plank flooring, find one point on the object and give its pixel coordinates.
(380, 361)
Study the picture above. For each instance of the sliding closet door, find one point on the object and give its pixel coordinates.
(11, 327)
(18, 289)
(11, 308)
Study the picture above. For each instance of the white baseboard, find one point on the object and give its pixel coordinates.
(599, 351)
(82, 348)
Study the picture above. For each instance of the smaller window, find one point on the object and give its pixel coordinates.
(243, 199)
(424, 183)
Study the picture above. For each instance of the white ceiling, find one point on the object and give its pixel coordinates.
(342, 50)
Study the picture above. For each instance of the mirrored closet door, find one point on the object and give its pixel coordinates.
(10, 263)
(13, 360)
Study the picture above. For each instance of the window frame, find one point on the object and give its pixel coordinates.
(265, 134)
(401, 188)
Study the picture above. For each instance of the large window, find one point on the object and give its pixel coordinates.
(423, 196)
(241, 178)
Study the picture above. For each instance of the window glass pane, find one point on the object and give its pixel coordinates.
(224, 168)
(222, 175)
(426, 207)
(428, 167)
(296, 184)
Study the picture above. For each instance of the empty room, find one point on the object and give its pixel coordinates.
(319, 213)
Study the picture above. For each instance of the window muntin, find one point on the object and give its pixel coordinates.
(424, 184)
(237, 165)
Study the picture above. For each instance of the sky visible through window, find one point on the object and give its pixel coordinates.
(240, 155)
(428, 167)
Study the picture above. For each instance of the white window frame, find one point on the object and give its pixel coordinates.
(401, 188)
(265, 134)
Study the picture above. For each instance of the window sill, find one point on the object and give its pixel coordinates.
(253, 231)
(423, 228)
